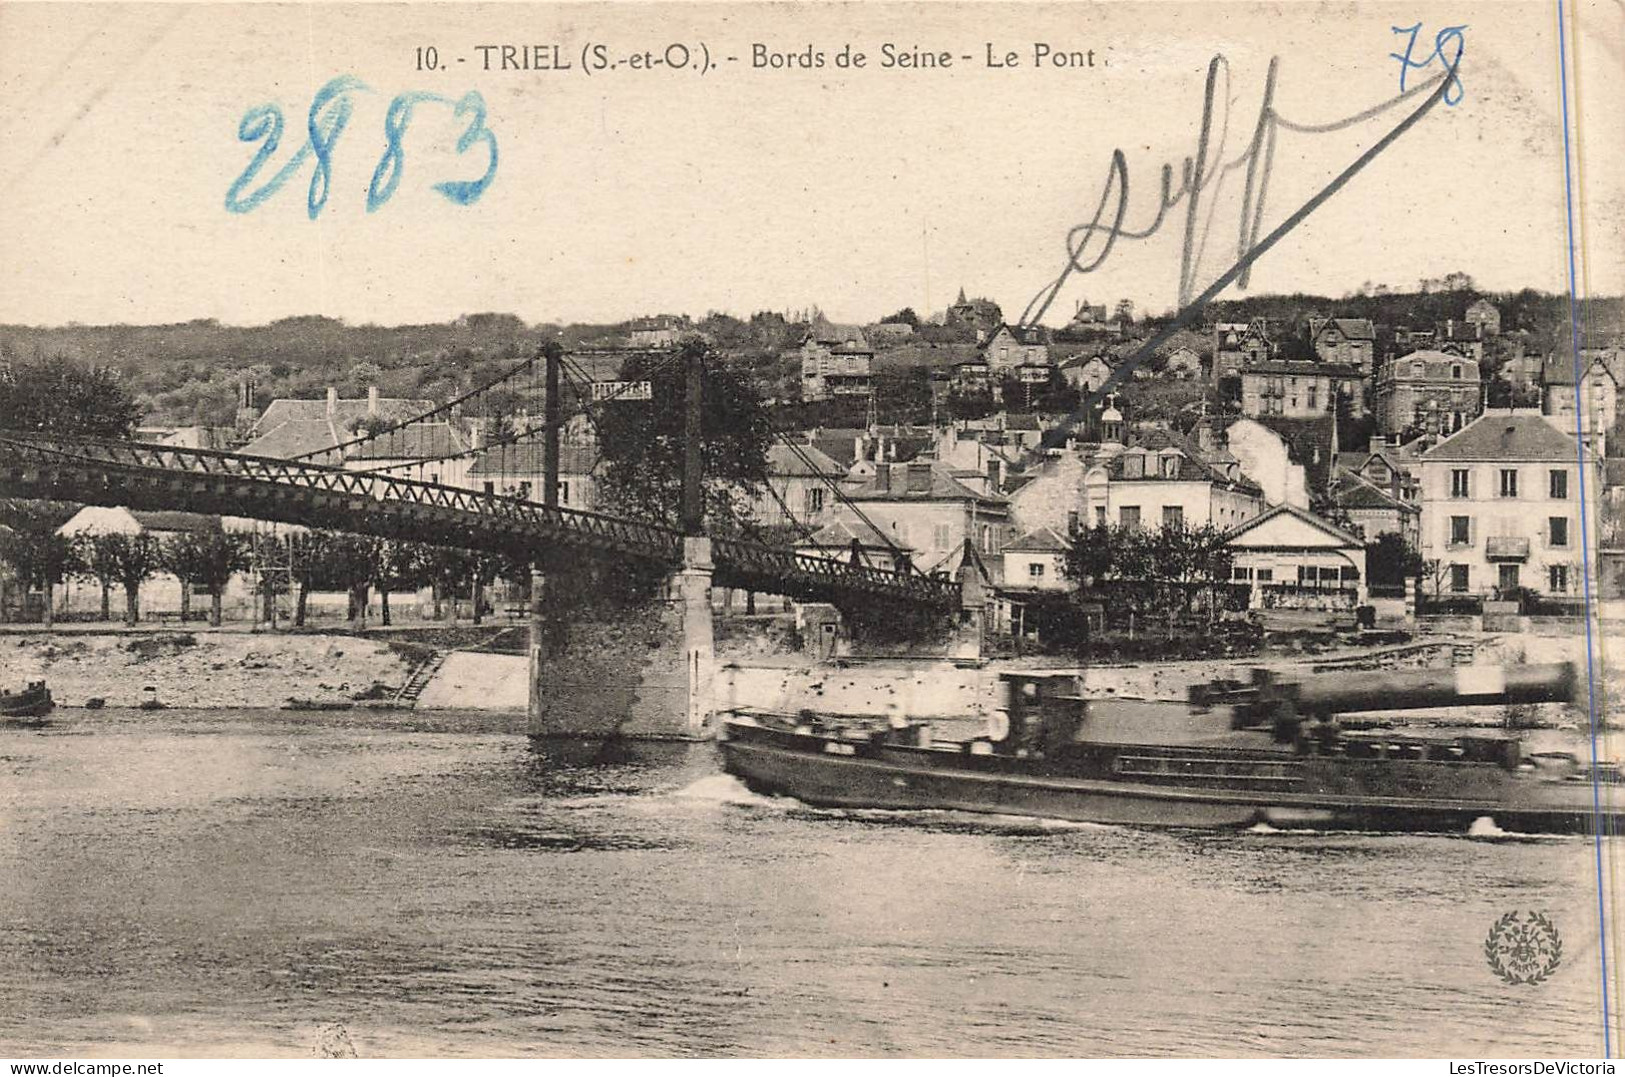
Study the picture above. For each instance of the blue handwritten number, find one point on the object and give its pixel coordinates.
(323, 126)
(1453, 91)
(387, 176)
(467, 192)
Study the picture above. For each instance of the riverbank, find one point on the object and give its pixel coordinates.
(204, 669)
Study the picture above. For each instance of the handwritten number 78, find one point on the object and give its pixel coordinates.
(1448, 46)
(329, 113)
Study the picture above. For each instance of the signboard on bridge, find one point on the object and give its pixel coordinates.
(622, 390)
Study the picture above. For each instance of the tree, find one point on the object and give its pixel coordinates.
(310, 553)
(906, 316)
(395, 564)
(58, 396)
(1124, 311)
(353, 567)
(126, 559)
(40, 557)
(1391, 560)
(644, 441)
(205, 559)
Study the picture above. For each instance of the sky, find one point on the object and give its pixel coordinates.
(624, 190)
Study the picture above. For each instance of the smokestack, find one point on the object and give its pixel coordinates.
(372, 401)
(332, 402)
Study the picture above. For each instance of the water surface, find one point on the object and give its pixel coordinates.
(201, 883)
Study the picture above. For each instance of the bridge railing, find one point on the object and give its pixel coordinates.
(143, 458)
(102, 458)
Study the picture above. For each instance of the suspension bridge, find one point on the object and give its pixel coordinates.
(655, 684)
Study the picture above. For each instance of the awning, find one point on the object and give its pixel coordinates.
(1506, 548)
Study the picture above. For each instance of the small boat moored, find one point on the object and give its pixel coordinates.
(27, 707)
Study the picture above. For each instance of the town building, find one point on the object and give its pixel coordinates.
(519, 470)
(1486, 316)
(1182, 363)
(1460, 338)
(1501, 506)
(1394, 469)
(1428, 391)
(1086, 374)
(1372, 510)
(1239, 344)
(981, 316)
(1560, 396)
(1036, 561)
(658, 331)
(836, 362)
(1293, 559)
(1298, 389)
(291, 428)
(1349, 342)
(1161, 479)
(923, 509)
(428, 452)
(801, 485)
(1009, 348)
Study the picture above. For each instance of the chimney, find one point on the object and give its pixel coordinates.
(372, 401)
(883, 478)
(919, 477)
(476, 436)
(332, 402)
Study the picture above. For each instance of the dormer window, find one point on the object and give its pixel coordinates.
(1170, 467)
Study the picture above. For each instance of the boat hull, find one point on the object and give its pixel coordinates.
(26, 707)
(802, 767)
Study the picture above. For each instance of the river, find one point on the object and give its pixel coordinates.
(239, 882)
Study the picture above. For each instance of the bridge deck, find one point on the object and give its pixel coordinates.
(144, 476)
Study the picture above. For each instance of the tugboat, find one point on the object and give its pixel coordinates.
(1236, 754)
(28, 707)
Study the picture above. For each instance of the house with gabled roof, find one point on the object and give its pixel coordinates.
(519, 471)
(1372, 510)
(836, 363)
(1009, 348)
(1348, 342)
(801, 487)
(1161, 479)
(1036, 561)
(924, 509)
(1501, 506)
(1597, 389)
(291, 427)
(1293, 559)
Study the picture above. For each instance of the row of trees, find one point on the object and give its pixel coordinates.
(206, 561)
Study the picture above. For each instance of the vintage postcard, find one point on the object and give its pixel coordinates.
(889, 530)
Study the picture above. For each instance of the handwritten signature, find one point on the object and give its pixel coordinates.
(1208, 169)
(329, 114)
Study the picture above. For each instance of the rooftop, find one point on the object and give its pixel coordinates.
(1506, 435)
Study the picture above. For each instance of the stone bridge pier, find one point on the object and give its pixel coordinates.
(640, 669)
